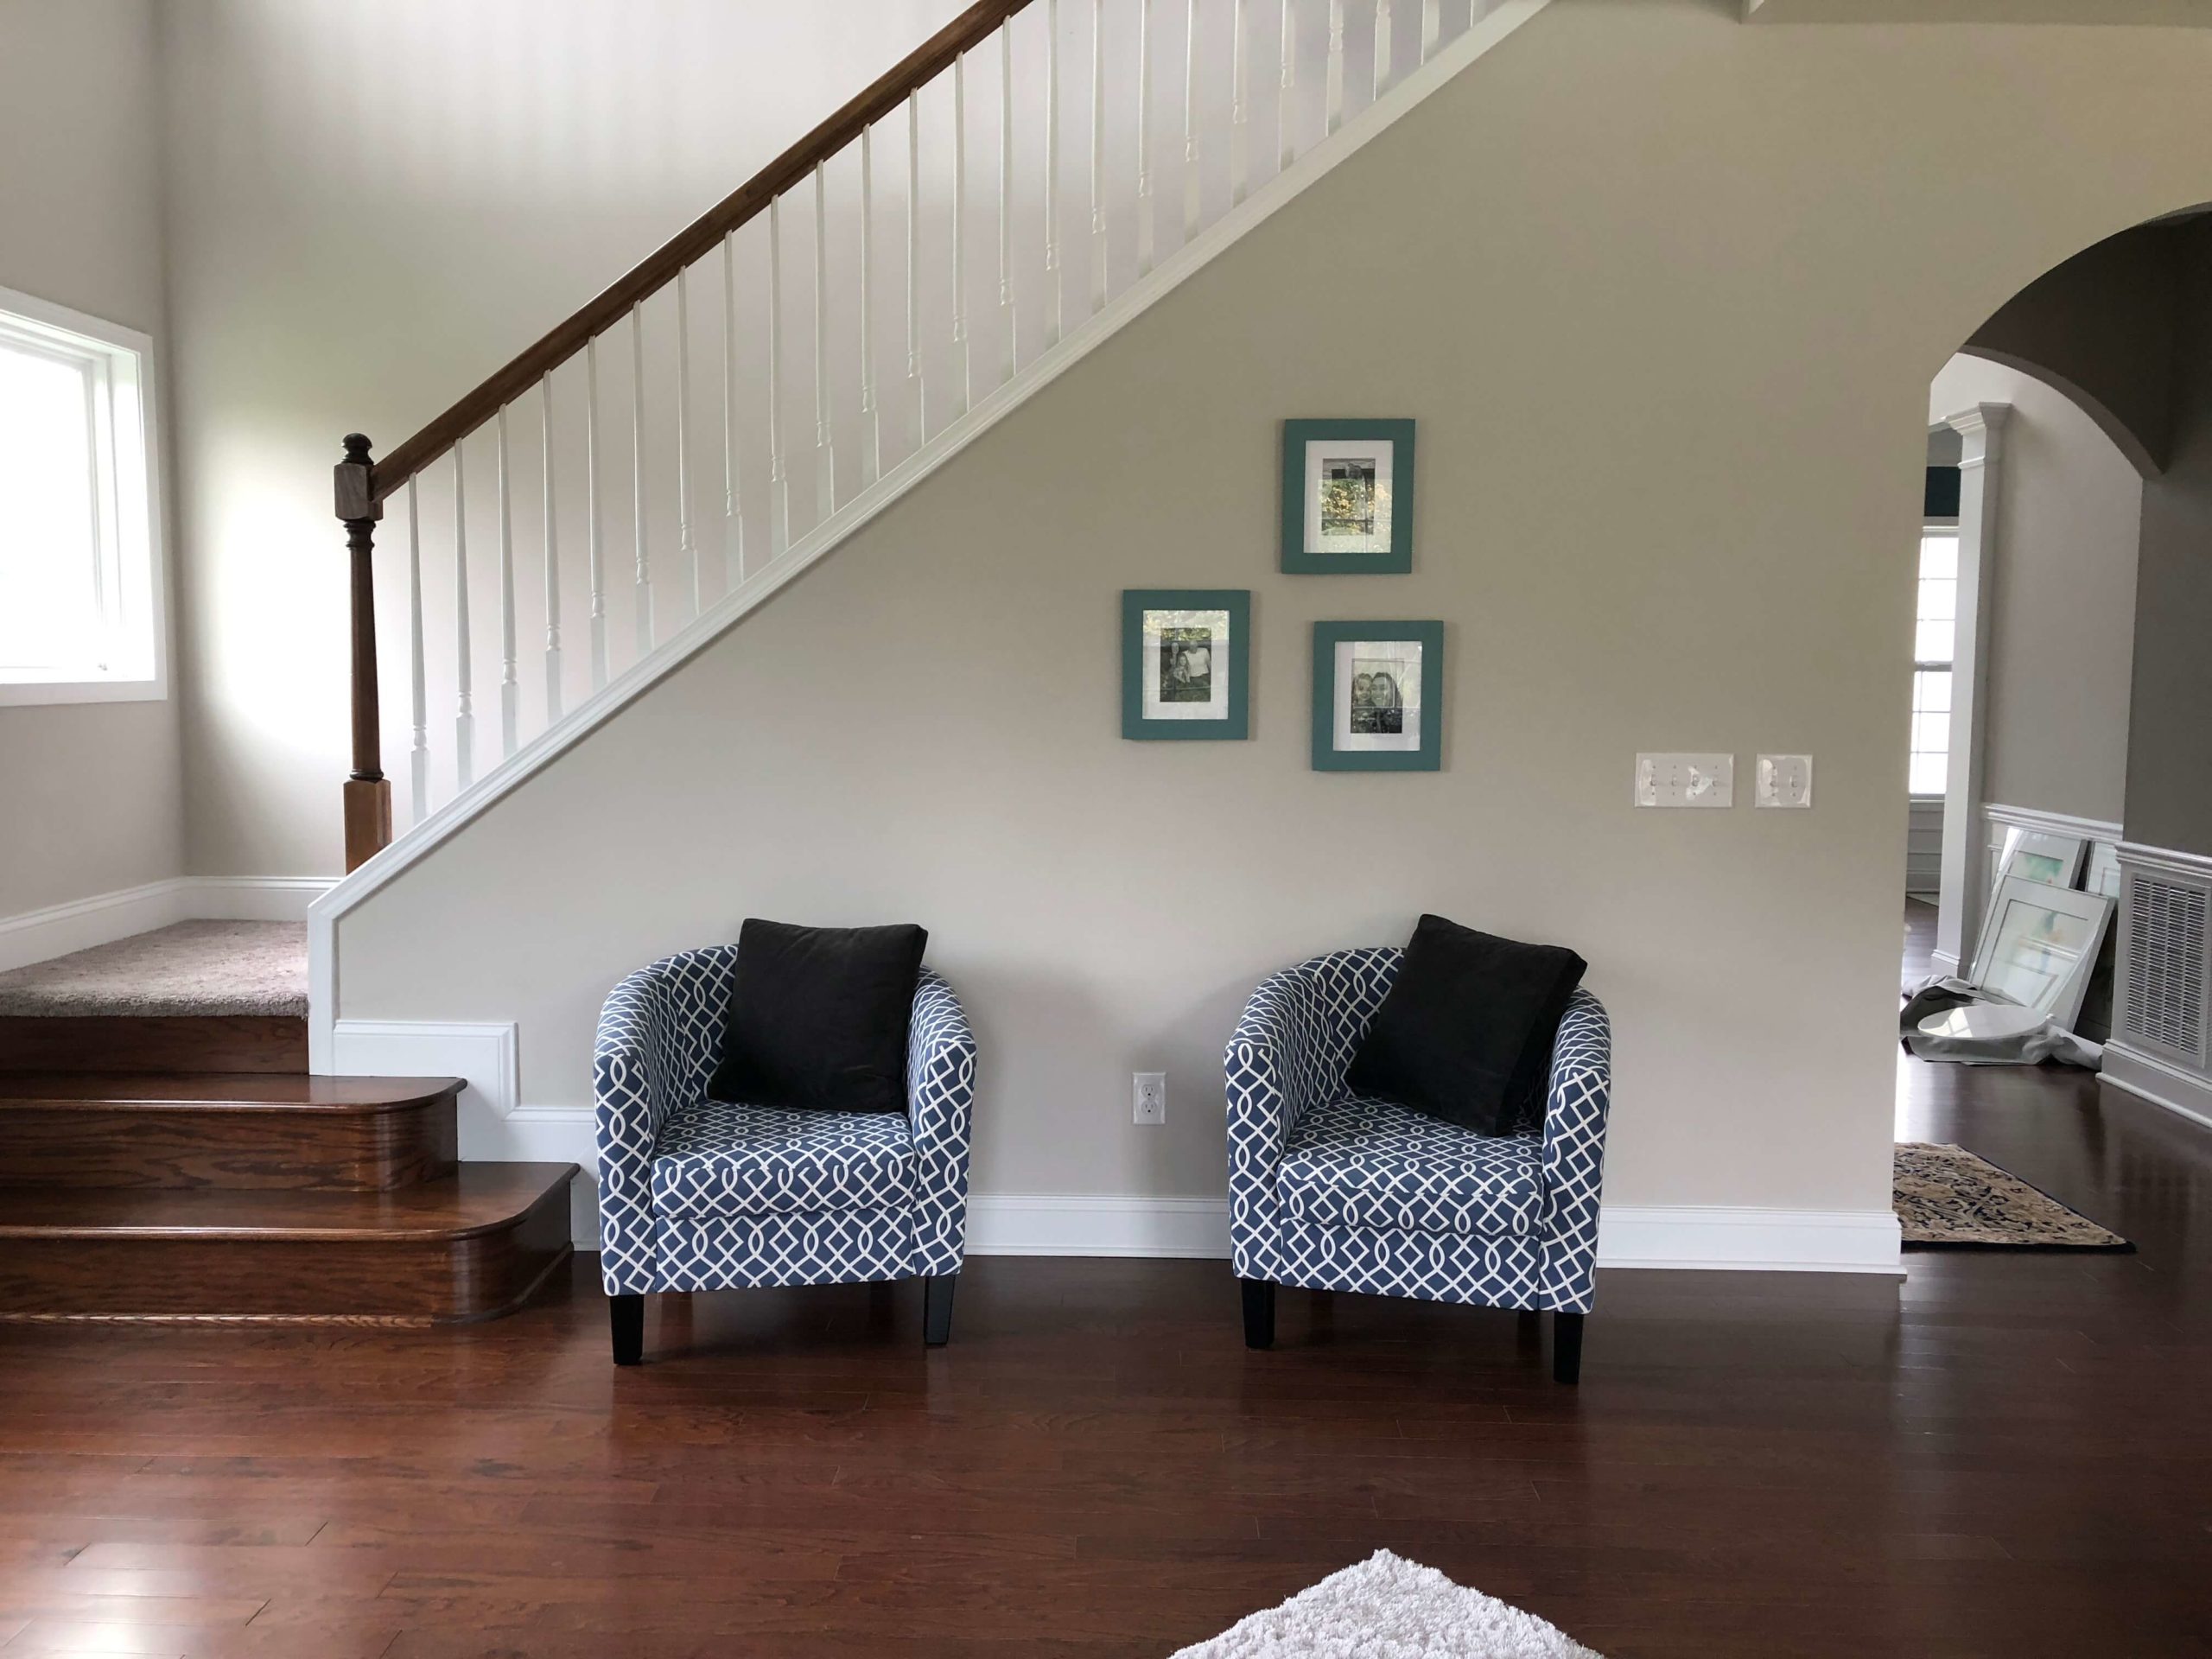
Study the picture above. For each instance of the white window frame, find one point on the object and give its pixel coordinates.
(133, 509)
(1933, 527)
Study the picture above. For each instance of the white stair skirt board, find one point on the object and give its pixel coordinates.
(40, 935)
(2160, 1082)
(1079, 342)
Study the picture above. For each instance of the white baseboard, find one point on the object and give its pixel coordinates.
(104, 917)
(1751, 1240)
(1943, 961)
(1088, 1225)
(2160, 1082)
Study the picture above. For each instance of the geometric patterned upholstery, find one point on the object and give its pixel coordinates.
(1332, 1192)
(1360, 1161)
(694, 1194)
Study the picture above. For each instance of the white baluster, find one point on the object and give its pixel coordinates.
(1051, 174)
(464, 722)
(552, 558)
(1382, 46)
(1097, 154)
(642, 580)
(1006, 200)
(593, 545)
(1431, 27)
(1240, 114)
(962, 381)
(684, 547)
(871, 421)
(733, 514)
(825, 451)
(914, 266)
(418, 749)
(1333, 116)
(510, 683)
(1144, 138)
(1190, 121)
(779, 489)
(1286, 135)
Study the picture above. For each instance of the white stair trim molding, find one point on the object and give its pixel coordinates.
(104, 917)
(2052, 823)
(1078, 343)
(486, 1053)
(2161, 1082)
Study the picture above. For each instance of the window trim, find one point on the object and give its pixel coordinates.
(134, 550)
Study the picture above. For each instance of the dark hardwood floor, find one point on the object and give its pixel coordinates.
(2009, 1456)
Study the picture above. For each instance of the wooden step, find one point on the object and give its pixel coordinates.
(472, 1245)
(232, 1130)
(235, 1042)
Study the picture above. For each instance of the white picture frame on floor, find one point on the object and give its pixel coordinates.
(2039, 946)
(2038, 855)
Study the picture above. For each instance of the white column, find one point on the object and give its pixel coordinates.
(1964, 895)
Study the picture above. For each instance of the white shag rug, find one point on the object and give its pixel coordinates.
(1388, 1607)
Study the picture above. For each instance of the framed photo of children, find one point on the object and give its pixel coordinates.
(1378, 696)
(1347, 498)
(1184, 657)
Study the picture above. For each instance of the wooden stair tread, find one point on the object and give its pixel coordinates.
(226, 1090)
(478, 1198)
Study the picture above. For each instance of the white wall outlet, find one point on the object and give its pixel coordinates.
(1150, 1092)
(1686, 780)
(1785, 780)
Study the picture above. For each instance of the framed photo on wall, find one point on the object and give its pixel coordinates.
(1347, 498)
(1185, 654)
(1378, 696)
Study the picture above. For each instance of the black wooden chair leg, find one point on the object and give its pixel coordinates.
(937, 1308)
(627, 1315)
(1528, 1331)
(1567, 1347)
(1259, 1313)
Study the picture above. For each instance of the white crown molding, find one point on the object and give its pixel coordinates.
(2167, 860)
(2158, 1081)
(104, 917)
(1981, 433)
(1331, 152)
(2052, 823)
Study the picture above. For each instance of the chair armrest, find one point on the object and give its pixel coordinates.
(940, 1103)
(658, 1035)
(1289, 1052)
(1575, 1105)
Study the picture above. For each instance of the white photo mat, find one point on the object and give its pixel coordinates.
(1359, 661)
(1159, 666)
(1320, 453)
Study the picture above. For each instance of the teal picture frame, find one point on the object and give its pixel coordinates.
(1299, 557)
(1426, 754)
(1143, 663)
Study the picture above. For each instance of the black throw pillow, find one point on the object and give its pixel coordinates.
(818, 1017)
(1466, 1031)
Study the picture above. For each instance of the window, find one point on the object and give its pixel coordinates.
(1935, 627)
(80, 579)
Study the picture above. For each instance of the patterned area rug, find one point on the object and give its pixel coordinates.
(1948, 1199)
(1388, 1607)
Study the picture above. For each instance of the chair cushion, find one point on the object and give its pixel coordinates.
(1363, 1161)
(717, 1160)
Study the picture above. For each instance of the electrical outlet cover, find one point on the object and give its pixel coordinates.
(1701, 780)
(1148, 1096)
(1785, 780)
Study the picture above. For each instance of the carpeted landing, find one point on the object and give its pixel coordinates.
(190, 969)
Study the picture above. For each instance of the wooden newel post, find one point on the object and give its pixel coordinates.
(368, 794)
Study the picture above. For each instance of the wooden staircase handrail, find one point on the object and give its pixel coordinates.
(658, 267)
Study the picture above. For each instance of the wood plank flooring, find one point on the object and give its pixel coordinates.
(2008, 1457)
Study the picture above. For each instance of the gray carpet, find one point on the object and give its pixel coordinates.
(193, 967)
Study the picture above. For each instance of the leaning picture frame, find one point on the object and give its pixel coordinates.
(1347, 498)
(1378, 696)
(1187, 663)
(2040, 856)
(2039, 946)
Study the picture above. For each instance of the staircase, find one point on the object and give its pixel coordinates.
(176, 1161)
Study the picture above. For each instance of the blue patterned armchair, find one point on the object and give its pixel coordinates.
(1332, 1190)
(694, 1194)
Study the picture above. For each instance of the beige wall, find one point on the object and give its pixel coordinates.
(1666, 294)
(2062, 638)
(89, 792)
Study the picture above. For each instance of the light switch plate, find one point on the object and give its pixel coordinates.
(1686, 780)
(1784, 780)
